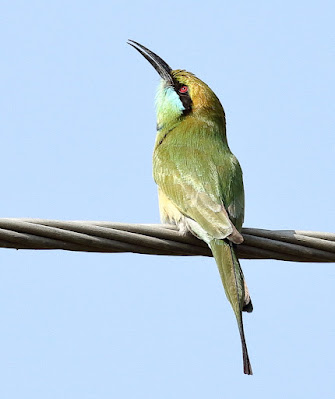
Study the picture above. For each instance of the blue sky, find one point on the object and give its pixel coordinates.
(78, 127)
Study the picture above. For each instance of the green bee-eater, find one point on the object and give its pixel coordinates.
(199, 180)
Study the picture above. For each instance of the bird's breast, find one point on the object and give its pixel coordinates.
(169, 213)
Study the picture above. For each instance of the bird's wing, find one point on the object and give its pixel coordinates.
(204, 181)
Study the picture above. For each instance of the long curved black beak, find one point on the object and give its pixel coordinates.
(160, 65)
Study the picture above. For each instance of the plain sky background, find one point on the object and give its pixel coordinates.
(77, 132)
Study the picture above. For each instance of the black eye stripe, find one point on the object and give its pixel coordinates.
(186, 101)
(184, 97)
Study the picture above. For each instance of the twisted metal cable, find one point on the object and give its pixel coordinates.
(159, 239)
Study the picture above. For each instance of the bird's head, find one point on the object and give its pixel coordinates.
(180, 93)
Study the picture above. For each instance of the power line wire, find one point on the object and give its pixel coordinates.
(157, 239)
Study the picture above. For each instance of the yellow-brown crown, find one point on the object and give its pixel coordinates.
(203, 98)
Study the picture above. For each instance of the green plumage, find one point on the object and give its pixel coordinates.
(193, 165)
(199, 179)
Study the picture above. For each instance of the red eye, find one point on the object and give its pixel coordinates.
(183, 89)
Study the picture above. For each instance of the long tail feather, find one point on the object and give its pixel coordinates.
(235, 288)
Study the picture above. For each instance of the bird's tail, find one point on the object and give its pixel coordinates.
(235, 288)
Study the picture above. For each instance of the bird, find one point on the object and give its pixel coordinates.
(200, 183)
